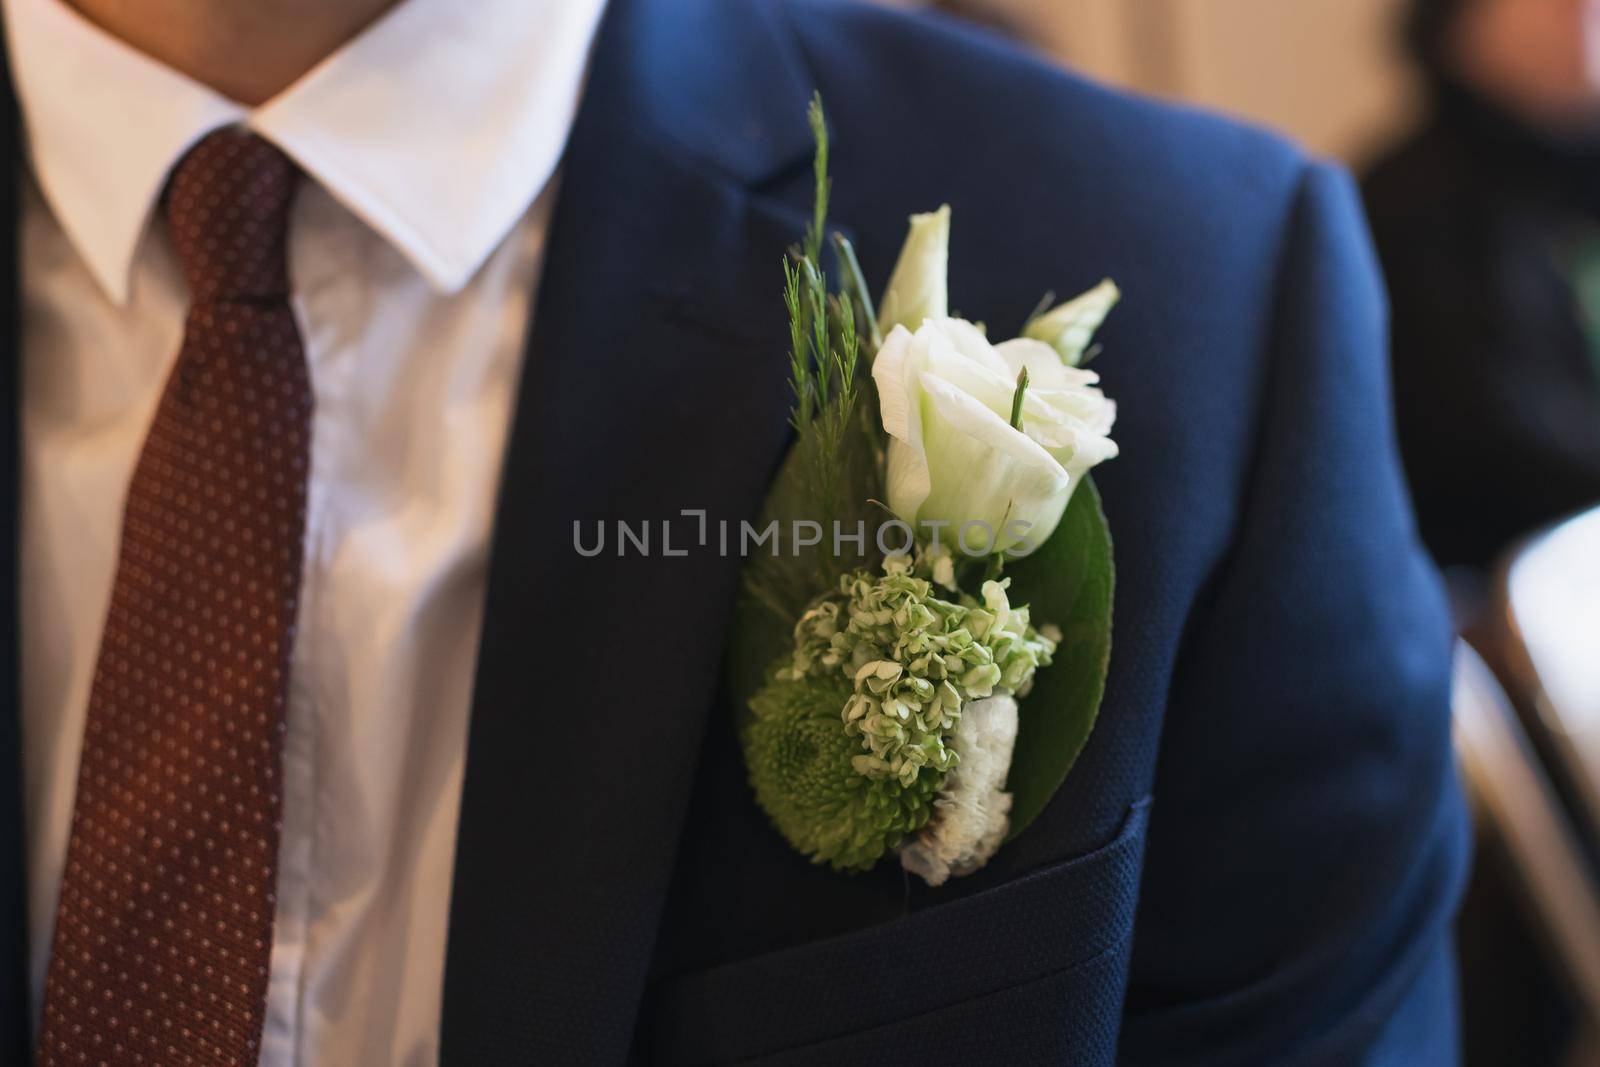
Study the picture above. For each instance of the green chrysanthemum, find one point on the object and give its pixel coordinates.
(800, 761)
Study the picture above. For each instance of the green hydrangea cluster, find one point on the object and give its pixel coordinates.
(846, 746)
(913, 660)
(799, 761)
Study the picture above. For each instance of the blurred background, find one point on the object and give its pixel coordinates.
(1474, 127)
(1330, 72)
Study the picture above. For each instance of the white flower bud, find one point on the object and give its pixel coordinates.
(1068, 328)
(918, 288)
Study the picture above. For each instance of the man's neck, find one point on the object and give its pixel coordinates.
(248, 50)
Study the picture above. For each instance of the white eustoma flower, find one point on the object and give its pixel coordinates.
(956, 464)
(919, 287)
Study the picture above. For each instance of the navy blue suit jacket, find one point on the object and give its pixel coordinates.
(1255, 859)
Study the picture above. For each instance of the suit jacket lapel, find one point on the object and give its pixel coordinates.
(654, 383)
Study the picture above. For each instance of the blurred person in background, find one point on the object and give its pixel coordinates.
(1487, 220)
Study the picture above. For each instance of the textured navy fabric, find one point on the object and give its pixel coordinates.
(1053, 931)
(1280, 671)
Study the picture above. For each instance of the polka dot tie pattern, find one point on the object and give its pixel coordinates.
(164, 928)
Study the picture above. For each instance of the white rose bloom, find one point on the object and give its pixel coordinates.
(946, 394)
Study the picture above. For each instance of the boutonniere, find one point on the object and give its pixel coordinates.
(920, 658)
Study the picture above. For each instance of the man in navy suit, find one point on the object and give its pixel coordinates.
(505, 267)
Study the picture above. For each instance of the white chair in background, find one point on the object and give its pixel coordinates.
(1513, 794)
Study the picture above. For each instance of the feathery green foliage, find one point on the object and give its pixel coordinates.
(824, 184)
(834, 469)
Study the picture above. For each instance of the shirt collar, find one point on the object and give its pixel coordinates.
(437, 126)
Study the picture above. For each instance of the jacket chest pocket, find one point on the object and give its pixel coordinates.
(1044, 956)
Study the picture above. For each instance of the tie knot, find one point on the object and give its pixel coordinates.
(227, 205)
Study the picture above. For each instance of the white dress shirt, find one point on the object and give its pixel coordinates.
(430, 143)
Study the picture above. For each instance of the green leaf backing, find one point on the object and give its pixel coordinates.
(1068, 582)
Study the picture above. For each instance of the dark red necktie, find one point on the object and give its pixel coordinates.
(164, 929)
